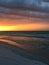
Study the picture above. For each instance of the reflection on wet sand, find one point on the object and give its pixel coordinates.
(15, 44)
(27, 43)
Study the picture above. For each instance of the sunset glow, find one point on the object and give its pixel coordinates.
(25, 27)
(6, 28)
(23, 24)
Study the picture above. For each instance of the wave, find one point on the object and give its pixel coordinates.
(33, 34)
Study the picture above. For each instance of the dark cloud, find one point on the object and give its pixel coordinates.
(29, 4)
(46, 0)
(35, 8)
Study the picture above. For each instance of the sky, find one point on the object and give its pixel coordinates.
(24, 15)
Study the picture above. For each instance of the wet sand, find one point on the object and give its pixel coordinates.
(24, 50)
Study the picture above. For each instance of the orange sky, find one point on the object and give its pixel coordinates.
(24, 24)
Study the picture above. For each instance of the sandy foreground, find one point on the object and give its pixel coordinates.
(7, 57)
